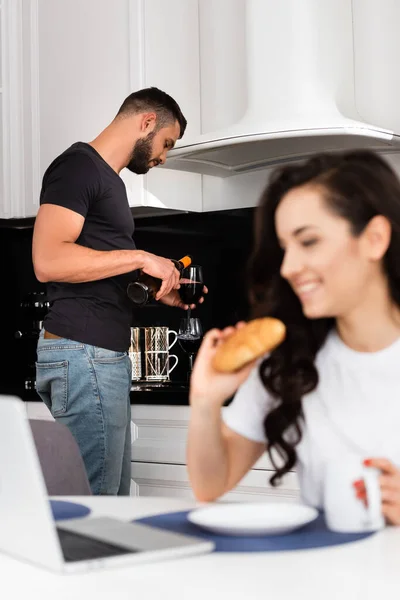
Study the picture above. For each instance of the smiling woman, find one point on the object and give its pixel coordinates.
(325, 263)
(326, 227)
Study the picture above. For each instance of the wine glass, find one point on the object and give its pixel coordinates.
(192, 284)
(190, 334)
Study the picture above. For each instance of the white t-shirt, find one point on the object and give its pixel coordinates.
(355, 409)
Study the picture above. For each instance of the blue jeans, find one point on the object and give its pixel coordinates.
(87, 389)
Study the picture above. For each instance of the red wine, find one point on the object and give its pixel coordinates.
(189, 343)
(191, 292)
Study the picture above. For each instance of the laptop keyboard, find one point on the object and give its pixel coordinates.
(77, 547)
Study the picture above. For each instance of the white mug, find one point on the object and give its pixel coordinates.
(157, 358)
(344, 512)
(175, 339)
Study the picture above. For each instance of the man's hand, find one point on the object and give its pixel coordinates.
(173, 299)
(163, 269)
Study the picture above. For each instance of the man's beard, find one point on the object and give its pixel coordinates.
(141, 155)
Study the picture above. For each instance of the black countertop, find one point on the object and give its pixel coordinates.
(166, 394)
(172, 394)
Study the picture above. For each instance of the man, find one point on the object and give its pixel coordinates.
(83, 249)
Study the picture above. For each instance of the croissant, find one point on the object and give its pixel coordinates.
(248, 343)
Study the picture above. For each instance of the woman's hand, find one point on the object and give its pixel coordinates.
(208, 386)
(390, 488)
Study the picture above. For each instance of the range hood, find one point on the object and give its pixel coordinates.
(243, 153)
(282, 80)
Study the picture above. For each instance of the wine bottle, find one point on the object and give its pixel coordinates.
(145, 288)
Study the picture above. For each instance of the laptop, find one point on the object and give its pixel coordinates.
(29, 532)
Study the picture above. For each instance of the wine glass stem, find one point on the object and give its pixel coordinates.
(191, 362)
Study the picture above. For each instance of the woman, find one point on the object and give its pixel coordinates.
(327, 263)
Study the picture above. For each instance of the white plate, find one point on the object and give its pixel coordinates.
(250, 518)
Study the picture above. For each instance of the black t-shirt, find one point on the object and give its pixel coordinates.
(96, 312)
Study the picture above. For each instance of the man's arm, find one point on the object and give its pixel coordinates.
(57, 257)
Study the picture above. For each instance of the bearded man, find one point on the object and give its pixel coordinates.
(83, 249)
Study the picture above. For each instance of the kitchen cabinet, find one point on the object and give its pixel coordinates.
(2, 141)
(159, 461)
(19, 103)
(171, 61)
(158, 465)
(280, 81)
(68, 66)
(38, 410)
(151, 479)
(89, 58)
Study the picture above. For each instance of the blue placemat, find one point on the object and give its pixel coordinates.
(313, 535)
(68, 510)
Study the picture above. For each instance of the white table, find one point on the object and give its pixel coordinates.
(364, 570)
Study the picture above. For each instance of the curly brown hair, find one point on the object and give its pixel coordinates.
(357, 185)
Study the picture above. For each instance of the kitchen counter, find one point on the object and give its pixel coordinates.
(172, 394)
